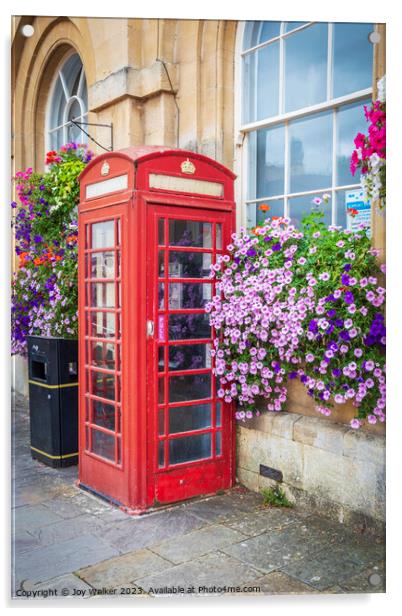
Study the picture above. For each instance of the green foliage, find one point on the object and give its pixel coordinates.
(275, 497)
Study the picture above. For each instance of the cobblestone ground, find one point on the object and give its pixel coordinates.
(67, 542)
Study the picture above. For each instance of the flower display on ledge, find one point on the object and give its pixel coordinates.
(300, 304)
(370, 153)
(44, 287)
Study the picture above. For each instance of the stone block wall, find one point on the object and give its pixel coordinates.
(328, 467)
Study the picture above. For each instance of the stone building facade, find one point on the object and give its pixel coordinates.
(178, 83)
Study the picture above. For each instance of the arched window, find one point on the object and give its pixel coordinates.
(304, 85)
(68, 101)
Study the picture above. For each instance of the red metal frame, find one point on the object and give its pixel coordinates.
(118, 397)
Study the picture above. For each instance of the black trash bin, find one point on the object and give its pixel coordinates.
(53, 400)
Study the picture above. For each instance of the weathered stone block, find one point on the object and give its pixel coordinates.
(317, 432)
(282, 454)
(247, 478)
(363, 446)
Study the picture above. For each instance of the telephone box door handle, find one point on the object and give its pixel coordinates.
(150, 328)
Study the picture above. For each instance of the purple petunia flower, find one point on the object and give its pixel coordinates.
(345, 279)
(347, 267)
(348, 298)
(276, 247)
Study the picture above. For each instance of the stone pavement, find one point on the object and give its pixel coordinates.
(67, 542)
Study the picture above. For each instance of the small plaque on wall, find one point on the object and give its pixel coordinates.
(271, 473)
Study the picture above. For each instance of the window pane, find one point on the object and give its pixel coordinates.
(341, 208)
(103, 294)
(260, 31)
(103, 444)
(189, 295)
(189, 357)
(189, 387)
(350, 120)
(291, 25)
(218, 236)
(188, 326)
(74, 112)
(255, 215)
(189, 448)
(189, 264)
(306, 67)
(269, 29)
(269, 145)
(56, 139)
(267, 81)
(103, 414)
(161, 390)
(353, 58)
(310, 151)
(261, 79)
(190, 233)
(218, 419)
(161, 454)
(103, 355)
(219, 443)
(103, 385)
(103, 234)
(102, 265)
(187, 418)
(161, 295)
(161, 421)
(103, 324)
(302, 206)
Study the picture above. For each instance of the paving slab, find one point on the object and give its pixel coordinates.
(24, 541)
(122, 570)
(29, 517)
(278, 583)
(42, 564)
(197, 543)
(64, 506)
(264, 520)
(218, 509)
(145, 531)
(336, 566)
(68, 529)
(273, 550)
(210, 574)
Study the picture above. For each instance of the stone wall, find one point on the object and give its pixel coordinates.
(329, 467)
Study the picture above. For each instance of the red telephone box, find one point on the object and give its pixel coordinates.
(152, 430)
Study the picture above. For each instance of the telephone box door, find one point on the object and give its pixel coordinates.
(190, 436)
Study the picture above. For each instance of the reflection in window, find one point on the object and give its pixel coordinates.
(310, 141)
(189, 387)
(188, 448)
(353, 58)
(189, 326)
(350, 120)
(302, 206)
(306, 67)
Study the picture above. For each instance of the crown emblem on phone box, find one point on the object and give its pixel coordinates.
(187, 166)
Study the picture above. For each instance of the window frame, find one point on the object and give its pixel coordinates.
(243, 130)
(68, 101)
